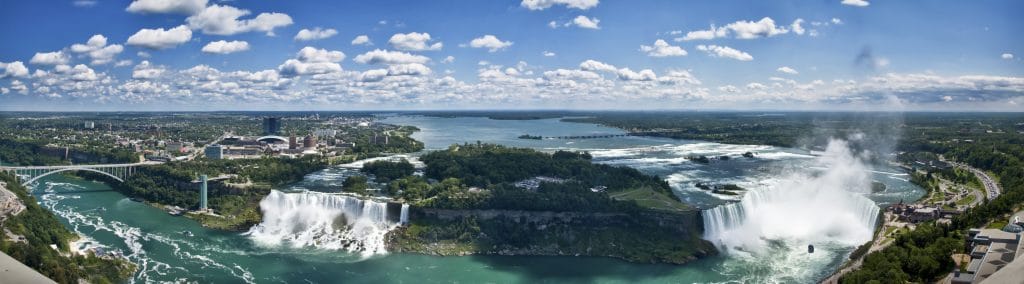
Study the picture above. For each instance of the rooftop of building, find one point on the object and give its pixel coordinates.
(1003, 250)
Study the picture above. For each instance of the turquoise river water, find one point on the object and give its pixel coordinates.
(176, 249)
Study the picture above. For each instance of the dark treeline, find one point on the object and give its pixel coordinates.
(386, 171)
(42, 229)
(482, 176)
(37, 153)
(483, 165)
(735, 128)
(918, 256)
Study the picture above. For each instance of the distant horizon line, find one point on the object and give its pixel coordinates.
(514, 110)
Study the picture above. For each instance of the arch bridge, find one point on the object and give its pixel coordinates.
(30, 174)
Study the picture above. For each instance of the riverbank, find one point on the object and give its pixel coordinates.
(35, 237)
(943, 191)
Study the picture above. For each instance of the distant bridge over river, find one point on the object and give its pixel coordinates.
(30, 174)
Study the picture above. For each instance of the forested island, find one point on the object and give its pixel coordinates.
(491, 199)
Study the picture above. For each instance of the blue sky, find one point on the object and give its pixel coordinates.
(564, 54)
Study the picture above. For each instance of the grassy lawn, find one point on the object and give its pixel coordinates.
(935, 196)
(648, 198)
(998, 224)
(967, 199)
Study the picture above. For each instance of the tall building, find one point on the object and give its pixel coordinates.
(215, 152)
(325, 133)
(89, 125)
(202, 193)
(309, 142)
(271, 125)
(292, 142)
(380, 139)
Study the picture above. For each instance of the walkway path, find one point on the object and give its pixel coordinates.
(877, 244)
(12, 271)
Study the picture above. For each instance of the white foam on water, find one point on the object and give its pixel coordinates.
(677, 153)
(414, 160)
(324, 221)
(774, 224)
(133, 238)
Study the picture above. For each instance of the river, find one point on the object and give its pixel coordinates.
(176, 249)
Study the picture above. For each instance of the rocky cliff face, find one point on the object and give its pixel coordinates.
(10, 204)
(647, 236)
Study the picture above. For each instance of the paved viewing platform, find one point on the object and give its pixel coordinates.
(12, 271)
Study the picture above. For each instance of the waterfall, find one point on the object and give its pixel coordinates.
(404, 217)
(800, 208)
(321, 220)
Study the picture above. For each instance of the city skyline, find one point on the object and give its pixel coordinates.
(533, 54)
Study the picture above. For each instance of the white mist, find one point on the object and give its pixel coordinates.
(325, 221)
(825, 207)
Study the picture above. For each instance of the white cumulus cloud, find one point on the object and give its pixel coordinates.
(749, 30)
(1007, 56)
(858, 3)
(703, 34)
(797, 26)
(662, 49)
(373, 75)
(594, 65)
(490, 42)
(587, 23)
(765, 27)
(725, 51)
(80, 73)
(187, 7)
(413, 42)
(160, 38)
(361, 40)
(224, 20)
(147, 71)
(98, 50)
(312, 54)
(312, 61)
(226, 47)
(411, 69)
(544, 4)
(50, 58)
(787, 70)
(379, 56)
(626, 74)
(315, 34)
(13, 69)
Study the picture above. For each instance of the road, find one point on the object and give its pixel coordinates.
(991, 187)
